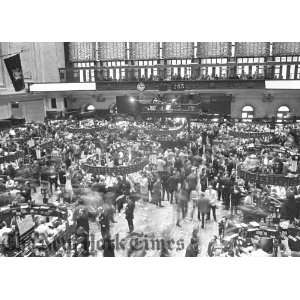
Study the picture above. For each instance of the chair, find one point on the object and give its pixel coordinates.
(294, 243)
(266, 244)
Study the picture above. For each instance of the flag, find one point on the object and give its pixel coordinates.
(14, 69)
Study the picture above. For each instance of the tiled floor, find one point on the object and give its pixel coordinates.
(159, 222)
(155, 223)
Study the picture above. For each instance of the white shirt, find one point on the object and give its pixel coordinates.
(199, 140)
(12, 132)
(166, 154)
(43, 229)
(98, 151)
(144, 185)
(4, 231)
(121, 155)
(212, 195)
(160, 165)
(248, 200)
(38, 153)
(266, 161)
(293, 166)
(9, 184)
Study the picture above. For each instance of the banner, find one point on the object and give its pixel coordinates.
(14, 69)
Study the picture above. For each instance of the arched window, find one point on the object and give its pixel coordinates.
(282, 112)
(90, 107)
(247, 112)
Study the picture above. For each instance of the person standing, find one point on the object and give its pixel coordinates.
(108, 247)
(235, 198)
(62, 178)
(10, 183)
(203, 207)
(204, 136)
(68, 186)
(68, 161)
(249, 199)
(194, 199)
(172, 186)
(160, 164)
(164, 178)
(226, 187)
(38, 152)
(62, 175)
(151, 181)
(81, 219)
(212, 196)
(157, 193)
(192, 180)
(53, 178)
(129, 214)
(182, 200)
(104, 221)
(144, 188)
(26, 192)
(80, 216)
(203, 182)
(178, 164)
(218, 186)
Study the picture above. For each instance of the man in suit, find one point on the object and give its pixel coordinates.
(226, 188)
(104, 222)
(203, 207)
(192, 180)
(157, 192)
(172, 183)
(129, 214)
(235, 198)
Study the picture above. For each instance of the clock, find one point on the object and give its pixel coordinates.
(140, 86)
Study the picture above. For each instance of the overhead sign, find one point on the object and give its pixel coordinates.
(180, 86)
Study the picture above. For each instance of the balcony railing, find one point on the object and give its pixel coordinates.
(154, 74)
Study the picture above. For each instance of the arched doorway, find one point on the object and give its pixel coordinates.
(90, 107)
(282, 112)
(87, 108)
(247, 113)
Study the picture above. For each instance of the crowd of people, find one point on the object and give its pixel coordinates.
(197, 178)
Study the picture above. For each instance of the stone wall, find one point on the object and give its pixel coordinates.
(265, 102)
(40, 62)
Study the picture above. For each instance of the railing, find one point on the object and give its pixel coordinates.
(134, 74)
(269, 70)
